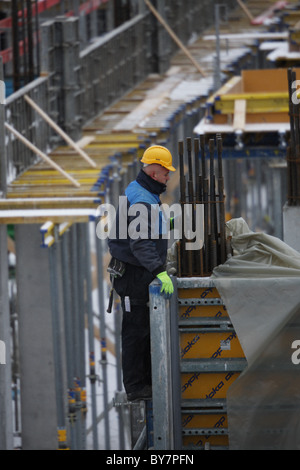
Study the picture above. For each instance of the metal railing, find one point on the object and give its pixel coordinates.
(78, 85)
(21, 116)
(113, 65)
(95, 78)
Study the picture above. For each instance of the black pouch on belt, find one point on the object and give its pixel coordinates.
(116, 268)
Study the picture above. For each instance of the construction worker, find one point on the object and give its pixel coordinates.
(144, 258)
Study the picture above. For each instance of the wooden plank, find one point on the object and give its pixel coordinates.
(153, 100)
(43, 191)
(85, 140)
(248, 36)
(174, 37)
(211, 128)
(40, 171)
(245, 9)
(41, 154)
(51, 203)
(118, 138)
(60, 131)
(260, 96)
(266, 80)
(44, 215)
(239, 119)
(234, 85)
(47, 179)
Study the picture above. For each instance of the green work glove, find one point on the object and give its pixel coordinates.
(167, 287)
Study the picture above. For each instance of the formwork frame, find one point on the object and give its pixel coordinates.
(169, 404)
(165, 370)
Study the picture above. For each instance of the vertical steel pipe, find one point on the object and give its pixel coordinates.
(76, 389)
(81, 327)
(69, 344)
(103, 360)
(163, 428)
(221, 202)
(91, 339)
(3, 163)
(118, 328)
(57, 351)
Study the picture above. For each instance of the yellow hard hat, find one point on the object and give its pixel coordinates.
(160, 155)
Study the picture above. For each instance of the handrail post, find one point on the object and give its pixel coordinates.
(165, 369)
(3, 165)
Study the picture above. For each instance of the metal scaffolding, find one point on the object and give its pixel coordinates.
(60, 335)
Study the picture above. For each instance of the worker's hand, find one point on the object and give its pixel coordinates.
(167, 287)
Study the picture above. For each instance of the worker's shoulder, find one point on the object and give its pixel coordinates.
(138, 194)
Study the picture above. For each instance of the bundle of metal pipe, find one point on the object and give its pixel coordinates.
(203, 191)
(293, 150)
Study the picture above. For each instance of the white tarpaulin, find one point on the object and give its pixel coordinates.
(260, 286)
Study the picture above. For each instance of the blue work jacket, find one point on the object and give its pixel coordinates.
(149, 249)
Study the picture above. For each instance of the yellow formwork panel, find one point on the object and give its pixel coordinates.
(189, 311)
(36, 172)
(113, 146)
(215, 421)
(206, 341)
(51, 181)
(265, 93)
(202, 441)
(202, 421)
(118, 137)
(206, 386)
(256, 103)
(254, 118)
(295, 37)
(43, 191)
(210, 345)
(199, 292)
(194, 311)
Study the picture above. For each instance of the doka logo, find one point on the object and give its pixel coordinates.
(296, 355)
(2, 353)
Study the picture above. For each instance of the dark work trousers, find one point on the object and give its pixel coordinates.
(136, 357)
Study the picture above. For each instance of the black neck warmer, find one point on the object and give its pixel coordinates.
(150, 184)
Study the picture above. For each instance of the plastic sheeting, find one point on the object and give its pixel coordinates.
(260, 286)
